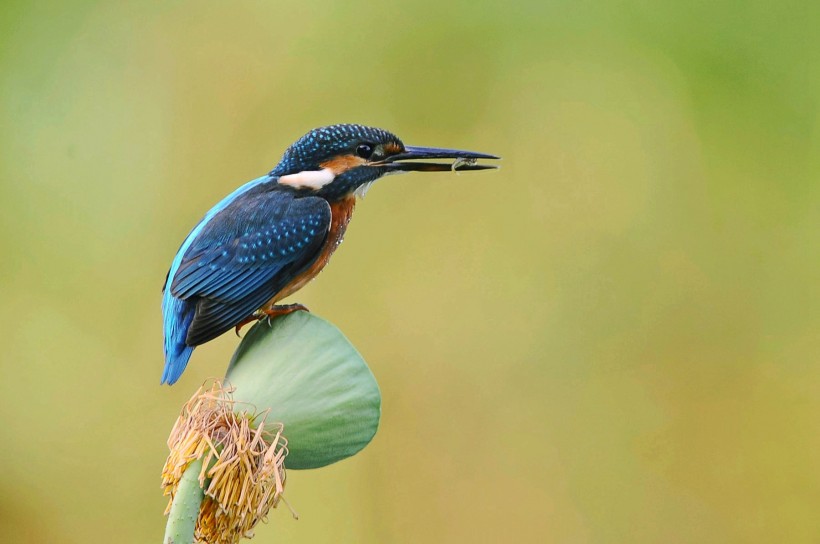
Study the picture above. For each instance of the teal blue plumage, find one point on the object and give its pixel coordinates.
(234, 261)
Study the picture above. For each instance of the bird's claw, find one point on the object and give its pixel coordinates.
(282, 309)
(269, 313)
(243, 323)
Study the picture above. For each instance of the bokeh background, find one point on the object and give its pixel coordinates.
(614, 338)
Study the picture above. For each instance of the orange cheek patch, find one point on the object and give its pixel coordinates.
(343, 163)
(391, 149)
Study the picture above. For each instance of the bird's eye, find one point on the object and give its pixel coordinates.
(364, 150)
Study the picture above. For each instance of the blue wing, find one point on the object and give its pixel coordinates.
(246, 254)
(236, 260)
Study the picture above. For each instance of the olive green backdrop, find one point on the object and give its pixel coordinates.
(614, 338)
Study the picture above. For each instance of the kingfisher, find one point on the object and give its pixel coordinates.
(274, 234)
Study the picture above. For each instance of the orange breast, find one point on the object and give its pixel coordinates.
(340, 213)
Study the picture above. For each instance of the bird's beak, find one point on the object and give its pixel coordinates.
(463, 160)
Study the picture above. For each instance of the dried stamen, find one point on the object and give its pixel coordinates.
(243, 472)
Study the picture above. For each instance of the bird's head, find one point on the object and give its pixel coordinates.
(338, 160)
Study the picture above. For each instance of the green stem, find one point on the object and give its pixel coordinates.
(185, 508)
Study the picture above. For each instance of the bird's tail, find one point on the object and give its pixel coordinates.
(177, 317)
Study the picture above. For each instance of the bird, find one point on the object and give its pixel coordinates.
(274, 234)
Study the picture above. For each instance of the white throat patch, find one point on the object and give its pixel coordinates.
(310, 179)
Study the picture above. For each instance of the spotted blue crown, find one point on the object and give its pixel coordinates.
(322, 144)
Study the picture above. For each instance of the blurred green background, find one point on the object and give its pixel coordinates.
(614, 338)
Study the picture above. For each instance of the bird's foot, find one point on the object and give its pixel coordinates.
(249, 319)
(270, 313)
(280, 309)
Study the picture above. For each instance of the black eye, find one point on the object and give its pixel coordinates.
(364, 150)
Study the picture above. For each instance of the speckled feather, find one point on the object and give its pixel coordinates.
(322, 144)
(246, 254)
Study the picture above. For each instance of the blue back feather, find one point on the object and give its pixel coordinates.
(178, 314)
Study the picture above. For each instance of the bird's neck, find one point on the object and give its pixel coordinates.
(340, 213)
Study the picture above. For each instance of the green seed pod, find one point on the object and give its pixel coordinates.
(314, 382)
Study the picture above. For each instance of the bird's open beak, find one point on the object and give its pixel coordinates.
(463, 160)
